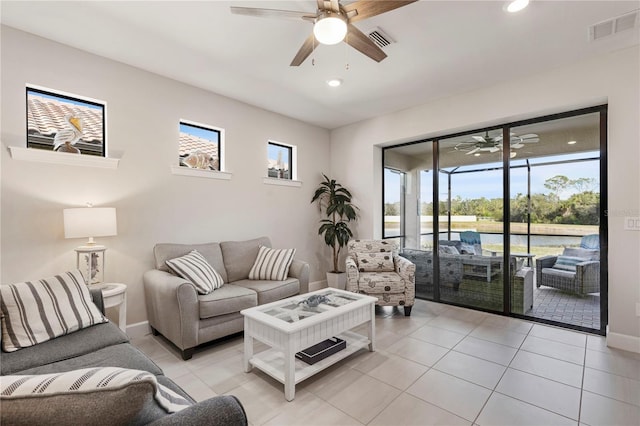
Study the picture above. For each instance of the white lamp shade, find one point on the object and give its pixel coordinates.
(330, 30)
(90, 222)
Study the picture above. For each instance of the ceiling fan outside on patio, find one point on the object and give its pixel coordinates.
(334, 21)
(489, 144)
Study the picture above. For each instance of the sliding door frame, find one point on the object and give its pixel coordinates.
(603, 207)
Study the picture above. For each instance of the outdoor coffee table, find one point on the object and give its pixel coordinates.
(290, 325)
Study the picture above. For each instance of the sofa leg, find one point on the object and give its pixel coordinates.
(154, 331)
(407, 311)
(187, 353)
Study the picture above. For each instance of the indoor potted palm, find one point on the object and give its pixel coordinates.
(334, 201)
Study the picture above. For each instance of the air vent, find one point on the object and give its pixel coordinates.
(613, 26)
(380, 38)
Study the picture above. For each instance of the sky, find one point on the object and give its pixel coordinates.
(64, 99)
(489, 184)
(199, 132)
(273, 153)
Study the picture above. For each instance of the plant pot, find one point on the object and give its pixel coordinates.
(337, 280)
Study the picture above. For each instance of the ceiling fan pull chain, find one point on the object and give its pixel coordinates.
(346, 52)
(313, 49)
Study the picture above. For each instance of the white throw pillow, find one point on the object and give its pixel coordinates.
(40, 310)
(195, 268)
(272, 264)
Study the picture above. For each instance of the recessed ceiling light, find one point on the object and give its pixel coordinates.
(517, 5)
(334, 82)
(572, 142)
(477, 154)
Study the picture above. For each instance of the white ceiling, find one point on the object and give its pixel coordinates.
(442, 48)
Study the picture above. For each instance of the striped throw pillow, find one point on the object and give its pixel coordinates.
(195, 268)
(107, 385)
(567, 263)
(37, 311)
(272, 264)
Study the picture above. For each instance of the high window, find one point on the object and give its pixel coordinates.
(201, 146)
(281, 160)
(58, 121)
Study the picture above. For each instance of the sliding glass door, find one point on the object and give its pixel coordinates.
(470, 244)
(555, 220)
(536, 186)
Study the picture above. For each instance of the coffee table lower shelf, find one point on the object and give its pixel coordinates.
(271, 361)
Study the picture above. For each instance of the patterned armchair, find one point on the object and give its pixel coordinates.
(577, 270)
(375, 268)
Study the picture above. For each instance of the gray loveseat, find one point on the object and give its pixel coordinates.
(103, 345)
(188, 319)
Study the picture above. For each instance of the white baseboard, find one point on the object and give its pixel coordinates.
(139, 329)
(317, 285)
(623, 341)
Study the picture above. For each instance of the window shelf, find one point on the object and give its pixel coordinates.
(282, 182)
(209, 174)
(65, 158)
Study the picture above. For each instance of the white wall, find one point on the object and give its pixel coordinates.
(614, 78)
(143, 111)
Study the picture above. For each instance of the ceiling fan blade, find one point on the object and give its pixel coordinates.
(529, 136)
(494, 149)
(272, 13)
(531, 140)
(473, 151)
(479, 138)
(304, 52)
(359, 41)
(364, 9)
(335, 6)
(517, 145)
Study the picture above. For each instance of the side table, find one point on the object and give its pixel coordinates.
(115, 296)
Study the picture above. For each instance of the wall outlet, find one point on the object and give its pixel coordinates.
(632, 223)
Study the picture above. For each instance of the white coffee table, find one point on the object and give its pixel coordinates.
(289, 327)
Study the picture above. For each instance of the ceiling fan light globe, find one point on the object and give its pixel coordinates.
(330, 29)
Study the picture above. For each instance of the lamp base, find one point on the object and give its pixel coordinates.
(90, 261)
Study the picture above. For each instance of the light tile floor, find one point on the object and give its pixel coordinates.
(444, 365)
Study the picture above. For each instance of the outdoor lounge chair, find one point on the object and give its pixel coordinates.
(577, 270)
(478, 264)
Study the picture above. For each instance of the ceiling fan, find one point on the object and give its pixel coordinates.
(332, 22)
(490, 144)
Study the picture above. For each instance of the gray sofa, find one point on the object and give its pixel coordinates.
(188, 319)
(103, 345)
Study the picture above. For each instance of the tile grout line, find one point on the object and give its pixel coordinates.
(584, 369)
(501, 377)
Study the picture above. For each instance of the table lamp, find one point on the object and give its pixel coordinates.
(90, 222)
